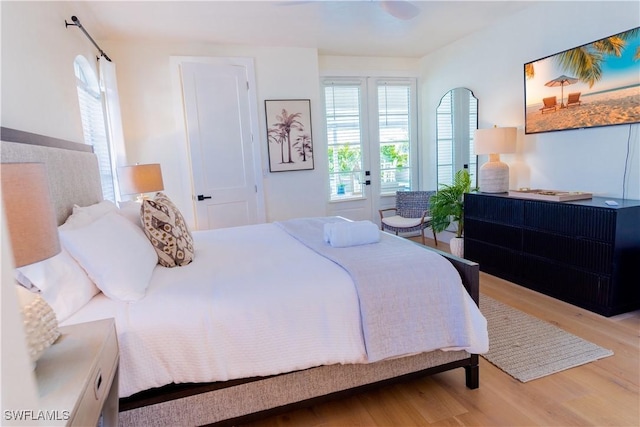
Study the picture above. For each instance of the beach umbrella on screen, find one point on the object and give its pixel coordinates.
(561, 81)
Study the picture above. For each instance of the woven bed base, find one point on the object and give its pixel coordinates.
(272, 392)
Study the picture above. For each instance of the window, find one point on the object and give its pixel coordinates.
(93, 122)
(350, 149)
(457, 120)
(344, 134)
(394, 119)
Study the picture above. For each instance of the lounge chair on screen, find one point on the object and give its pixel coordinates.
(550, 103)
(573, 99)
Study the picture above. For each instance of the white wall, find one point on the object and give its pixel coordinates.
(364, 66)
(490, 63)
(152, 133)
(38, 82)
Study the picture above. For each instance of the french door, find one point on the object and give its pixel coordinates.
(372, 149)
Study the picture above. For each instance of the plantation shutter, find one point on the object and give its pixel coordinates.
(394, 124)
(93, 124)
(473, 125)
(445, 140)
(344, 136)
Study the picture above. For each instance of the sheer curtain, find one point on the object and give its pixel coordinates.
(113, 118)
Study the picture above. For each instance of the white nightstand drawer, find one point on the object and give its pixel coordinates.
(76, 374)
(99, 384)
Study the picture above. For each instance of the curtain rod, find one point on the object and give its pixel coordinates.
(76, 23)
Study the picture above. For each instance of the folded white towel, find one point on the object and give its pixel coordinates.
(351, 233)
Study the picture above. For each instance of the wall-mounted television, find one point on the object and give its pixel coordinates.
(596, 84)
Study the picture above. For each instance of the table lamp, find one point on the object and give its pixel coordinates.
(33, 234)
(140, 179)
(493, 176)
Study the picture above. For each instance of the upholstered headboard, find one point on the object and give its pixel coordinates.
(74, 177)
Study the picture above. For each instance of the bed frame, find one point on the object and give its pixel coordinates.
(74, 179)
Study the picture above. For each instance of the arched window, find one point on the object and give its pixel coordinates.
(93, 122)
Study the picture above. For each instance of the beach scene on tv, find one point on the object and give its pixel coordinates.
(597, 84)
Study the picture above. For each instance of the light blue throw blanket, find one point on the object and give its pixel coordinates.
(411, 299)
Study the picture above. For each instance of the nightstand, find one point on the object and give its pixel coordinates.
(77, 377)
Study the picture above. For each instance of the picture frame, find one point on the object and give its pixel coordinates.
(289, 136)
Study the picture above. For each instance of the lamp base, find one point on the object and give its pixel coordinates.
(493, 177)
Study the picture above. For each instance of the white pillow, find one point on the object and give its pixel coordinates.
(60, 281)
(131, 210)
(83, 216)
(115, 253)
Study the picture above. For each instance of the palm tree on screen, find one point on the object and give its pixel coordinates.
(585, 62)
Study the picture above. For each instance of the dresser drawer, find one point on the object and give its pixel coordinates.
(496, 260)
(569, 284)
(493, 233)
(494, 209)
(574, 221)
(590, 255)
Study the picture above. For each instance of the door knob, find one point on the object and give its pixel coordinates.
(202, 197)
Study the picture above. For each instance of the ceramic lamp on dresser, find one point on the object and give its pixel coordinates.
(493, 176)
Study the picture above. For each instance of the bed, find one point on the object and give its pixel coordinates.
(306, 335)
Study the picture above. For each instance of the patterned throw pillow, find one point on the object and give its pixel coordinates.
(165, 227)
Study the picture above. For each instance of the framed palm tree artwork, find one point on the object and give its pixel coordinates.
(289, 134)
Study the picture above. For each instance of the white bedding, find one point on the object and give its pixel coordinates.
(254, 302)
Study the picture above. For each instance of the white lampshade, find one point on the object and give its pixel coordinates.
(31, 221)
(493, 176)
(495, 140)
(139, 179)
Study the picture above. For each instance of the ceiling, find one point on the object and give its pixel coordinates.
(354, 28)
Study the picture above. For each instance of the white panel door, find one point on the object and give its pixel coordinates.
(218, 121)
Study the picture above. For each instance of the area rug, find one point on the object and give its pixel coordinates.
(528, 348)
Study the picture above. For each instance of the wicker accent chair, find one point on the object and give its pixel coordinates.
(411, 213)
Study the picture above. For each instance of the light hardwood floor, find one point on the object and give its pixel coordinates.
(601, 393)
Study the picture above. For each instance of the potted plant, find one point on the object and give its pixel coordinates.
(447, 206)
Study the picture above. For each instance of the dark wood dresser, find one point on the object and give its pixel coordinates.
(583, 252)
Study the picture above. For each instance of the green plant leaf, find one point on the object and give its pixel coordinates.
(447, 204)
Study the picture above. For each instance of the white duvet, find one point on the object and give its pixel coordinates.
(254, 302)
